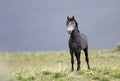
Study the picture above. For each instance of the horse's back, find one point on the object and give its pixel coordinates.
(84, 42)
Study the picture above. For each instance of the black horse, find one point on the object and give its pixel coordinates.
(77, 42)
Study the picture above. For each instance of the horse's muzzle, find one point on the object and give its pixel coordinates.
(70, 29)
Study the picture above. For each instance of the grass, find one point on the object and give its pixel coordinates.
(55, 66)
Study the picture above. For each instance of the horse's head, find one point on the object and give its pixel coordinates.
(71, 24)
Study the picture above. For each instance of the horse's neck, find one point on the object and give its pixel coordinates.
(75, 33)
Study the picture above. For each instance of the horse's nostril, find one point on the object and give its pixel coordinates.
(70, 31)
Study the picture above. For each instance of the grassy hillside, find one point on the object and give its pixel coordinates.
(55, 66)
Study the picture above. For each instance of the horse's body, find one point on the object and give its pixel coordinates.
(77, 42)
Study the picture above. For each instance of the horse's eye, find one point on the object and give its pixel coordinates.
(72, 22)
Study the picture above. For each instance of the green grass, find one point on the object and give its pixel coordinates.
(55, 66)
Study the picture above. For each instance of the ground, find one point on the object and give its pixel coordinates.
(55, 66)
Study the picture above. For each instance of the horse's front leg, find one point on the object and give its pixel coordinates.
(77, 54)
(72, 60)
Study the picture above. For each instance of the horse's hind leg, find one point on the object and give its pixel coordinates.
(86, 56)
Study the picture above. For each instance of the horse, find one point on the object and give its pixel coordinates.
(77, 42)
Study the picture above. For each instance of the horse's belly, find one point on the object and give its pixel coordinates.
(84, 42)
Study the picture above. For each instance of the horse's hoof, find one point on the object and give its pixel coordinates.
(89, 68)
(77, 69)
(72, 70)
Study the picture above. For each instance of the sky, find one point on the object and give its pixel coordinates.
(40, 25)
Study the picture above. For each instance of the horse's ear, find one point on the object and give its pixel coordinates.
(73, 17)
(67, 17)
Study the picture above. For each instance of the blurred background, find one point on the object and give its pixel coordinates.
(40, 25)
